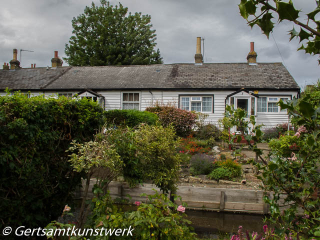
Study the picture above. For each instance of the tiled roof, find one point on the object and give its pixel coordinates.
(33, 78)
(171, 76)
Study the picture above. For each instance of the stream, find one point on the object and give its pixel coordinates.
(214, 224)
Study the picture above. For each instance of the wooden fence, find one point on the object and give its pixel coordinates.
(204, 198)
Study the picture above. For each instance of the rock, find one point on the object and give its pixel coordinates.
(229, 182)
(216, 149)
(194, 180)
(210, 182)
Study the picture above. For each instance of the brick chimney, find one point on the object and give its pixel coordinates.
(5, 66)
(198, 56)
(56, 61)
(252, 55)
(14, 63)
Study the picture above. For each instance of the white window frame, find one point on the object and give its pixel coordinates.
(273, 99)
(136, 102)
(283, 110)
(93, 98)
(197, 99)
(66, 94)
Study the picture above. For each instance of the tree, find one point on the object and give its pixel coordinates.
(107, 35)
(263, 10)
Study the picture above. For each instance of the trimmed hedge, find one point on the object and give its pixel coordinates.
(36, 179)
(130, 118)
(183, 121)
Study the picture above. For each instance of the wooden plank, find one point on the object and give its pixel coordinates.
(201, 204)
(244, 206)
(222, 201)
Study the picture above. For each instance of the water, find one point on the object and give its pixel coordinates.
(214, 224)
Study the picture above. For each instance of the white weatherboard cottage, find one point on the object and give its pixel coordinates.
(203, 87)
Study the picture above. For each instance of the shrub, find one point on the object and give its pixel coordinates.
(130, 118)
(157, 154)
(183, 121)
(220, 173)
(148, 153)
(36, 179)
(159, 218)
(270, 133)
(192, 146)
(233, 166)
(208, 131)
(201, 164)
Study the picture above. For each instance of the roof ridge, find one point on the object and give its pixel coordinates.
(62, 73)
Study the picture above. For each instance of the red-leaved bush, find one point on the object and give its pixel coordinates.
(182, 120)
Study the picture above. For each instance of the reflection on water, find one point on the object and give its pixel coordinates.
(212, 224)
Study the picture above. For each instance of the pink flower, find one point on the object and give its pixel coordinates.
(66, 208)
(137, 203)
(181, 209)
(297, 134)
(306, 216)
(265, 228)
(293, 157)
(302, 129)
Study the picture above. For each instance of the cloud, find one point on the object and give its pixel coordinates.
(45, 26)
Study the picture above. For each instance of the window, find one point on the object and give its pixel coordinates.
(270, 104)
(91, 98)
(130, 101)
(285, 101)
(67, 95)
(185, 102)
(197, 103)
(272, 107)
(262, 104)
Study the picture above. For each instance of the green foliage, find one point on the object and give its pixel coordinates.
(36, 179)
(192, 146)
(225, 169)
(98, 158)
(201, 164)
(276, 132)
(130, 118)
(183, 121)
(208, 131)
(157, 153)
(220, 174)
(231, 165)
(107, 35)
(291, 177)
(262, 12)
(156, 219)
(235, 118)
(148, 153)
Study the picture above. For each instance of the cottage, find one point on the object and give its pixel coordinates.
(202, 87)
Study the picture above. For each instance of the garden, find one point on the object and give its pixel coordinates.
(49, 147)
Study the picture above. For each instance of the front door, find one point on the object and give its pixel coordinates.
(243, 103)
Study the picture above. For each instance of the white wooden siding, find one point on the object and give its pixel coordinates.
(149, 98)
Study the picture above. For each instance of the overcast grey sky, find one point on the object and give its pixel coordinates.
(45, 27)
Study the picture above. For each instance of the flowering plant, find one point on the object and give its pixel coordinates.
(291, 178)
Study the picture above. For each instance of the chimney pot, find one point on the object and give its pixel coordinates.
(252, 47)
(31, 65)
(198, 56)
(15, 54)
(14, 63)
(5, 66)
(34, 66)
(56, 61)
(252, 55)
